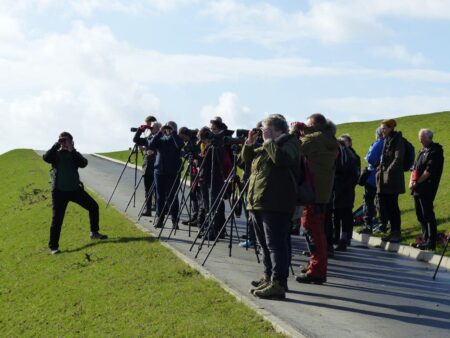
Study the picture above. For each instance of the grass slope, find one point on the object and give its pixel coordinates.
(363, 134)
(126, 286)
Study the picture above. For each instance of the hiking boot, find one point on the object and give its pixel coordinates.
(273, 290)
(97, 235)
(308, 279)
(264, 279)
(175, 225)
(147, 213)
(186, 222)
(55, 251)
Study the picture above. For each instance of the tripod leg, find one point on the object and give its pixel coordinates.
(121, 174)
(134, 193)
(440, 260)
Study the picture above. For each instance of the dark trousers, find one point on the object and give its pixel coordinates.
(194, 203)
(389, 203)
(165, 195)
(427, 219)
(369, 204)
(343, 223)
(272, 232)
(148, 184)
(219, 205)
(203, 202)
(60, 199)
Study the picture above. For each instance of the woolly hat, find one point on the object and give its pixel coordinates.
(390, 123)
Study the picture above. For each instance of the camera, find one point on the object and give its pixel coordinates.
(243, 133)
(142, 127)
(191, 133)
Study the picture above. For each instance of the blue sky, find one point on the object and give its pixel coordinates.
(98, 67)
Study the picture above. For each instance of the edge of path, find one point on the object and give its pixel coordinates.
(376, 242)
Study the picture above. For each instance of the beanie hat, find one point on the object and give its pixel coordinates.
(391, 123)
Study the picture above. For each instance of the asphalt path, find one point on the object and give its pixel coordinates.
(369, 292)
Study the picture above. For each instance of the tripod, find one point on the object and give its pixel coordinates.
(181, 187)
(230, 180)
(151, 191)
(442, 256)
(134, 152)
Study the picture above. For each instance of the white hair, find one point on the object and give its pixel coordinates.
(427, 132)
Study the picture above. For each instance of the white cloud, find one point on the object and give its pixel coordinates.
(336, 21)
(349, 109)
(229, 107)
(401, 53)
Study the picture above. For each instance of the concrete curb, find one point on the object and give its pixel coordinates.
(403, 250)
(116, 161)
(278, 324)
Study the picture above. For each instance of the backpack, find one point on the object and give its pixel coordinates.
(348, 165)
(409, 157)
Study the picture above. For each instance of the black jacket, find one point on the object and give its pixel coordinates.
(51, 156)
(168, 153)
(348, 166)
(431, 159)
(148, 161)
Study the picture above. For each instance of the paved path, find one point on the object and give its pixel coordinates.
(369, 293)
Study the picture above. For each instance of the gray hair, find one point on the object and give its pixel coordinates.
(427, 132)
(156, 125)
(277, 121)
(378, 133)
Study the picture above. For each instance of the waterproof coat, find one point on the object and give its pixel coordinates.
(431, 159)
(390, 176)
(274, 172)
(320, 149)
(53, 156)
(168, 153)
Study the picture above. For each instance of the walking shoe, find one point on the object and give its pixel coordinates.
(147, 213)
(274, 290)
(308, 279)
(366, 230)
(194, 222)
(392, 238)
(185, 222)
(342, 246)
(97, 235)
(246, 244)
(55, 251)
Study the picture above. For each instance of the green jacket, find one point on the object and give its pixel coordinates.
(320, 150)
(273, 179)
(390, 176)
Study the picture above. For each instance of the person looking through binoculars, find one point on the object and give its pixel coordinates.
(216, 168)
(67, 187)
(148, 131)
(271, 199)
(167, 145)
(191, 151)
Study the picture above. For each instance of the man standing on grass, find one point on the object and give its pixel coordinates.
(66, 187)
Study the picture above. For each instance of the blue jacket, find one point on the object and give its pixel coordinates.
(168, 153)
(373, 158)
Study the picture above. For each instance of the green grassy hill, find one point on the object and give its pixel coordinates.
(363, 134)
(126, 286)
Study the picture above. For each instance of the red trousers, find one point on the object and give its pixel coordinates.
(313, 221)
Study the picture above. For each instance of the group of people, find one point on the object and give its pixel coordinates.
(279, 160)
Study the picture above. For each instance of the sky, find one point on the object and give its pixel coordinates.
(96, 68)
